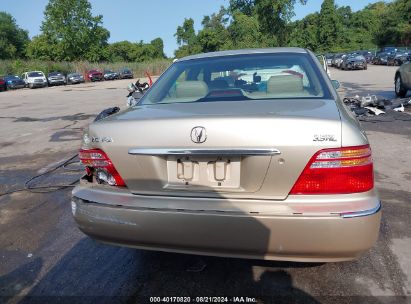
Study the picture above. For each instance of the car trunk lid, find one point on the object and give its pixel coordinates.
(249, 149)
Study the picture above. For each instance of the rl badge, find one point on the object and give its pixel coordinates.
(198, 135)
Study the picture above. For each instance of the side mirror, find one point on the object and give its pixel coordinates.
(336, 84)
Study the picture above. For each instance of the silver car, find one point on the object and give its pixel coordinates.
(245, 153)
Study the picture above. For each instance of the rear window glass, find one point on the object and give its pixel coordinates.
(36, 74)
(239, 77)
(12, 77)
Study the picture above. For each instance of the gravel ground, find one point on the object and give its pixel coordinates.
(45, 258)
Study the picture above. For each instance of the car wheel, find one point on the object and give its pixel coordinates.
(400, 91)
(30, 86)
(365, 67)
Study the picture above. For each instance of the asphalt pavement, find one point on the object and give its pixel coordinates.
(45, 258)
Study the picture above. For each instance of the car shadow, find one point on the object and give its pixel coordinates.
(91, 271)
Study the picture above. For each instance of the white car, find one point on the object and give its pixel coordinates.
(34, 79)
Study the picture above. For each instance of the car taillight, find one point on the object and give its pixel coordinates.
(98, 163)
(337, 171)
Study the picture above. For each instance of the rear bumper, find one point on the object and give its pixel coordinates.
(232, 234)
(16, 86)
(38, 84)
(57, 81)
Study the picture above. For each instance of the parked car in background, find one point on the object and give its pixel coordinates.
(222, 182)
(333, 60)
(126, 74)
(110, 75)
(14, 82)
(381, 58)
(398, 58)
(329, 58)
(402, 80)
(56, 78)
(73, 78)
(354, 62)
(389, 49)
(94, 75)
(368, 55)
(338, 60)
(34, 79)
(2, 84)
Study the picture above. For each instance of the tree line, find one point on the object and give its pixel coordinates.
(69, 32)
(268, 23)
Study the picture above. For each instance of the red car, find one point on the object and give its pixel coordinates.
(2, 85)
(94, 75)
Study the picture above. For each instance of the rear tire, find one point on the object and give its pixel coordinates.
(400, 90)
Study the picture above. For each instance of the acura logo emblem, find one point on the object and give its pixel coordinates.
(198, 135)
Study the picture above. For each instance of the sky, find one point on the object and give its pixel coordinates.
(136, 20)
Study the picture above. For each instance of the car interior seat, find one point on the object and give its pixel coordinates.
(191, 89)
(285, 84)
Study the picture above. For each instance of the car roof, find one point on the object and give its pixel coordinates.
(246, 52)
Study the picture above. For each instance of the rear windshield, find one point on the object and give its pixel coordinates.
(240, 77)
(36, 74)
(12, 77)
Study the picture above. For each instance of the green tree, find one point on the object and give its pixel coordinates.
(39, 48)
(186, 34)
(71, 32)
(158, 46)
(187, 39)
(329, 25)
(128, 51)
(214, 34)
(304, 32)
(121, 51)
(244, 6)
(260, 23)
(273, 17)
(13, 40)
(396, 24)
(240, 34)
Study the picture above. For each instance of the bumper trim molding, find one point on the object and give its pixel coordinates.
(362, 213)
(171, 151)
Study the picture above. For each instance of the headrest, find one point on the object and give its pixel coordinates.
(281, 84)
(194, 89)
